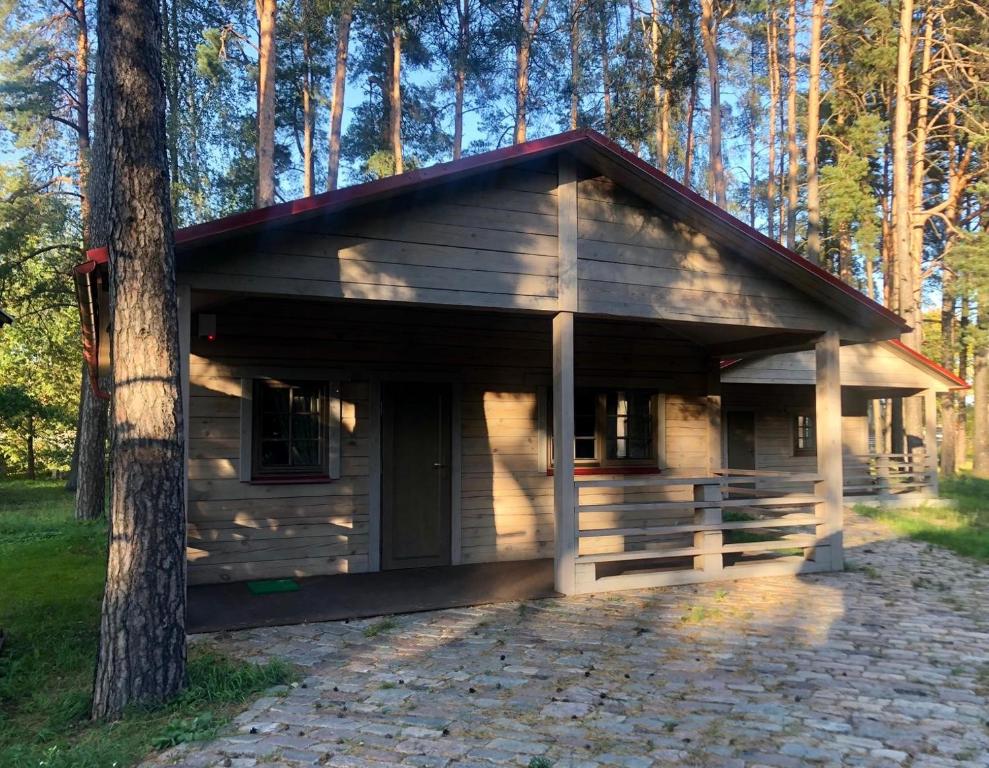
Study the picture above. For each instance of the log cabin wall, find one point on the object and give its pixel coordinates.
(774, 407)
(501, 365)
(634, 260)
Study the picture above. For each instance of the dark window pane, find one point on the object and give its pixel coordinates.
(275, 426)
(629, 421)
(274, 453)
(305, 453)
(275, 399)
(288, 426)
(305, 426)
(584, 448)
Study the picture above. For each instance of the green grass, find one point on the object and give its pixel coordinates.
(964, 530)
(380, 626)
(51, 572)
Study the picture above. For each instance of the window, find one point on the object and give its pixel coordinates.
(804, 435)
(616, 427)
(290, 429)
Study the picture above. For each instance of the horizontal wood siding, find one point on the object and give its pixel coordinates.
(239, 530)
(876, 366)
(775, 407)
(491, 242)
(634, 260)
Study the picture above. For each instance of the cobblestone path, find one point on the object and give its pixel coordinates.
(884, 665)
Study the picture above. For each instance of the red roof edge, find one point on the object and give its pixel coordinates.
(372, 190)
(928, 363)
(99, 255)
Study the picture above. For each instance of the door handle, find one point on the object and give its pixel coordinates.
(438, 465)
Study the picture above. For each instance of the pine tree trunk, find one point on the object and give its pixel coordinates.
(709, 36)
(980, 393)
(793, 155)
(772, 48)
(308, 103)
(574, 64)
(395, 99)
(90, 503)
(142, 649)
(813, 126)
(460, 76)
(266, 103)
(31, 472)
(339, 88)
(901, 171)
(688, 151)
(522, 51)
(603, 51)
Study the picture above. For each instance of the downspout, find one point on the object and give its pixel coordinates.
(92, 295)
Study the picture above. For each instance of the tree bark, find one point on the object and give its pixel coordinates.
(688, 151)
(308, 103)
(901, 171)
(339, 89)
(772, 46)
(31, 472)
(90, 502)
(574, 64)
(142, 649)
(528, 27)
(660, 98)
(266, 103)
(395, 98)
(980, 392)
(793, 155)
(460, 76)
(603, 51)
(709, 36)
(949, 417)
(813, 127)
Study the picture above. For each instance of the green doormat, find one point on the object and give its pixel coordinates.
(272, 586)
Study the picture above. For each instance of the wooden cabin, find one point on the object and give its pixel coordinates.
(382, 377)
(769, 420)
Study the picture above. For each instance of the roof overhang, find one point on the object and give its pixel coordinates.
(608, 159)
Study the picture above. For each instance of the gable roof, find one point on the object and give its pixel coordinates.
(605, 157)
(947, 379)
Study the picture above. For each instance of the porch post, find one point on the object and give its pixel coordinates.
(930, 439)
(185, 347)
(829, 460)
(564, 569)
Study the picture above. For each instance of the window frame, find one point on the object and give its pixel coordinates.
(319, 471)
(601, 460)
(795, 431)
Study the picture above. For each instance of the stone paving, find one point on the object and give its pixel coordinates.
(884, 665)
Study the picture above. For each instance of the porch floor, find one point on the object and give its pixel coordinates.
(216, 607)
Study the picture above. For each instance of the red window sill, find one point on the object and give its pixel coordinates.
(579, 471)
(301, 480)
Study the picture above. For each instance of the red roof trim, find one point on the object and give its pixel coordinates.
(927, 362)
(99, 255)
(373, 190)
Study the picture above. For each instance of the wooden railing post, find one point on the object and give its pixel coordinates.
(712, 563)
(564, 503)
(930, 440)
(829, 455)
(882, 475)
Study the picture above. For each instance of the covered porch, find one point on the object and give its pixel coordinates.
(439, 451)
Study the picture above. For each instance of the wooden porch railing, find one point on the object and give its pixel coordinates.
(887, 474)
(658, 531)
